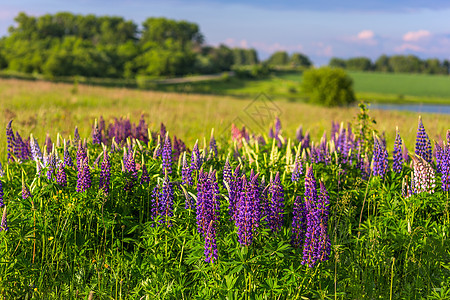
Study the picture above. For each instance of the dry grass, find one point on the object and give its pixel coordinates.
(44, 107)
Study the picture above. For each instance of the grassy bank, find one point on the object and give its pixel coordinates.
(44, 107)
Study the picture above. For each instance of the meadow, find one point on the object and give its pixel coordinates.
(369, 86)
(41, 107)
(131, 212)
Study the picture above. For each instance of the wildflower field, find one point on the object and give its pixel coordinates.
(134, 213)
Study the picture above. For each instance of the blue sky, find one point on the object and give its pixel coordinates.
(320, 29)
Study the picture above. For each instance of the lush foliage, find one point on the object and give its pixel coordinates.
(255, 217)
(64, 44)
(395, 63)
(328, 86)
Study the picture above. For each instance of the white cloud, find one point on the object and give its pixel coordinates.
(408, 47)
(415, 36)
(366, 35)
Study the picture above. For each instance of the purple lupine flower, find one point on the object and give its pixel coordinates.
(76, 136)
(440, 154)
(4, 222)
(305, 141)
(186, 172)
(196, 159)
(248, 209)
(275, 205)
(10, 141)
(105, 173)
(380, 158)
(323, 244)
(423, 144)
(178, 147)
(166, 203)
(335, 127)
(61, 177)
(142, 130)
(317, 243)
(81, 154)
(445, 169)
(1, 194)
(298, 223)
(83, 177)
(48, 143)
(299, 133)
(227, 172)
(145, 178)
(277, 126)
(167, 156)
(298, 168)
(211, 253)
(235, 186)
(312, 218)
(25, 190)
(51, 165)
(2, 173)
(208, 205)
(423, 179)
(67, 160)
(156, 200)
(96, 134)
(20, 148)
(397, 155)
(101, 125)
(36, 153)
(130, 168)
(208, 211)
(162, 131)
(212, 145)
(271, 133)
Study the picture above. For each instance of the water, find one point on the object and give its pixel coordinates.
(421, 108)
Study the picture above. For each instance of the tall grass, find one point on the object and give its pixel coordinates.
(44, 107)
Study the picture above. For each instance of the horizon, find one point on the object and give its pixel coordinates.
(350, 29)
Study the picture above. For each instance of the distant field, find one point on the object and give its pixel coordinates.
(389, 87)
(43, 107)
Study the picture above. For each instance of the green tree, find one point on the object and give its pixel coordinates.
(359, 64)
(299, 60)
(382, 64)
(336, 62)
(328, 86)
(279, 58)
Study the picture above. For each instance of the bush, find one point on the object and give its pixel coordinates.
(328, 86)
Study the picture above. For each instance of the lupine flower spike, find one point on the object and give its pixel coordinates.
(61, 177)
(1, 194)
(167, 155)
(275, 207)
(105, 173)
(25, 190)
(96, 135)
(423, 176)
(10, 141)
(423, 144)
(298, 223)
(397, 154)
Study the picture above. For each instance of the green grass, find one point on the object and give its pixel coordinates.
(40, 107)
(396, 88)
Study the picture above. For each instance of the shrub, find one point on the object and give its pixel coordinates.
(328, 86)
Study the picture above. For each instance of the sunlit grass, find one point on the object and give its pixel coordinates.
(44, 107)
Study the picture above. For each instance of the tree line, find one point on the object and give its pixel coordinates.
(395, 64)
(66, 44)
